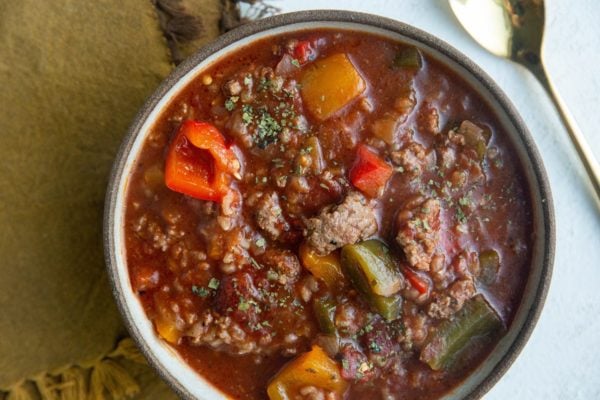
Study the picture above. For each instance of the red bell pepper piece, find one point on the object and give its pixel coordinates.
(303, 52)
(369, 172)
(416, 280)
(199, 162)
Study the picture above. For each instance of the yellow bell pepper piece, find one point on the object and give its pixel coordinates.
(329, 84)
(326, 268)
(313, 368)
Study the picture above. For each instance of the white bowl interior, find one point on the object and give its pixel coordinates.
(169, 360)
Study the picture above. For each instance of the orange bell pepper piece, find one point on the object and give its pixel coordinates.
(167, 330)
(313, 368)
(329, 84)
(199, 162)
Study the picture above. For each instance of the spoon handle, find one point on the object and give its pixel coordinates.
(581, 145)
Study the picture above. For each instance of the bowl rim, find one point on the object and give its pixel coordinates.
(338, 16)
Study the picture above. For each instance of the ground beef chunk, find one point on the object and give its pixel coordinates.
(461, 153)
(355, 365)
(428, 120)
(446, 304)
(269, 216)
(411, 159)
(284, 263)
(346, 223)
(234, 293)
(419, 232)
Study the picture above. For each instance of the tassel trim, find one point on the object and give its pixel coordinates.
(102, 379)
(178, 26)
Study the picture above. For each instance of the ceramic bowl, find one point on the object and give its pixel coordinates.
(167, 362)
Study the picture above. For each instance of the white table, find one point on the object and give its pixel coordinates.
(562, 358)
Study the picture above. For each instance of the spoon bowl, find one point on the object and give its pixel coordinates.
(515, 30)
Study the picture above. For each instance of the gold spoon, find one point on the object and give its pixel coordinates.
(514, 29)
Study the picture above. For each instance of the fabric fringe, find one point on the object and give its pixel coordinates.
(127, 349)
(48, 387)
(74, 384)
(20, 391)
(178, 25)
(110, 377)
(102, 379)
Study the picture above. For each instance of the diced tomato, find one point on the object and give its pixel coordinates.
(199, 162)
(369, 173)
(417, 281)
(303, 52)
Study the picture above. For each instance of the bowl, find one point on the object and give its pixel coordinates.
(167, 362)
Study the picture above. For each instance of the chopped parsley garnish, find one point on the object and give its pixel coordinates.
(264, 84)
(296, 63)
(368, 328)
(247, 114)
(200, 291)
(374, 347)
(247, 80)
(260, 242)
(268, 129)
(230, 103)
(214, 283)
(243, 305)
(464, 201)
(460, 215)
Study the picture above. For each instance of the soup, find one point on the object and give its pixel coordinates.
(329, 215)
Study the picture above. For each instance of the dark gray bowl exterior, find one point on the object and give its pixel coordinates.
(546, 213)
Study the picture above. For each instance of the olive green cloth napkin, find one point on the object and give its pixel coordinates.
(72, 76)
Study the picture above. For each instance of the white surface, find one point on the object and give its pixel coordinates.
(562, 358)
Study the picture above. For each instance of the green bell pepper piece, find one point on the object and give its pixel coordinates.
(476, 318)
(476, 137)
(489, 262)
(373, 273)
(324, 309)
(409, 57)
